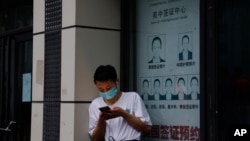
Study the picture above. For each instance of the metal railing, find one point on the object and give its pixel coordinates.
(7, 129)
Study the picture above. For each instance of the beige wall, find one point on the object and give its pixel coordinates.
(90, 37)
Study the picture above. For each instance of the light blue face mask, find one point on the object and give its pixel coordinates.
(109, 94)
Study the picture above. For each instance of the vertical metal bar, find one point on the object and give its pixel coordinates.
(1, 79)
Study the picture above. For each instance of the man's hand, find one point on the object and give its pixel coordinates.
(113, 113)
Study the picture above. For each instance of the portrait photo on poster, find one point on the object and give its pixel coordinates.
(185, 46)
(169, 88)
(156, 48)
(181, 88)
(145, 88)
(194, 87)
(157, 89)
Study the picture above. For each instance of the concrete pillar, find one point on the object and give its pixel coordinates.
(90, 37)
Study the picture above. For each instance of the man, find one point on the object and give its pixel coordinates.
(156, 49)
(127, 118)
(185, 54)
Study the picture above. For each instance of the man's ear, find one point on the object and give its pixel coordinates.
(117, 81)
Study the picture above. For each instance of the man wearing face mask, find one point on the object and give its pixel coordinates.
(127, 118)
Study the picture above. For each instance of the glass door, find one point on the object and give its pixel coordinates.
(15, 86)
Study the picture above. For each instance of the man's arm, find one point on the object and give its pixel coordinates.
(99, 131)
(133, 121)
(136, 123)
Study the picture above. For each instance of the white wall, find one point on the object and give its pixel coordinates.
(37, 71)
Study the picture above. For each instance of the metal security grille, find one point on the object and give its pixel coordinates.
(52, 85)
(52, 70)
(53, 14)
(51, 121)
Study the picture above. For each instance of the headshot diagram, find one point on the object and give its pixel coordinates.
(157, 90)
(182, 89)
(156, 49)
(175, 87)
(194, 88)
(185, 46)
(145, 89)
(169, 85)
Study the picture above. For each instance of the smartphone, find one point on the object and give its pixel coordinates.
(104, 109)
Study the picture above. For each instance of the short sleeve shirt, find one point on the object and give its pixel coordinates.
(118, 128)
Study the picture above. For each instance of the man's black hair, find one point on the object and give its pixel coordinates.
(105, 73)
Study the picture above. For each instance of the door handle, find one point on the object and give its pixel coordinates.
(7, 129)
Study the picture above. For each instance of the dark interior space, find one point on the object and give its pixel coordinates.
(233, 63)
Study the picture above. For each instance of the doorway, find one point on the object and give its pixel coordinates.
(15, 85)
(233, 98)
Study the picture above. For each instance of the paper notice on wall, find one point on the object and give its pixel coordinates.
(168, 46)
(26, 93)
